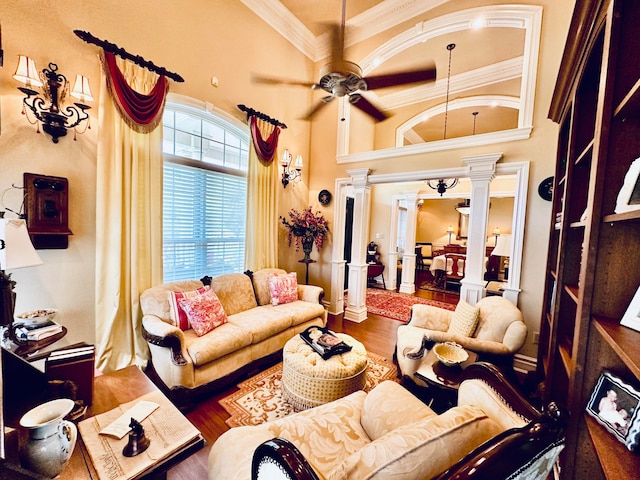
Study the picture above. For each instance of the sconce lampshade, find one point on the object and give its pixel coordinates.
(18, 251)
(298, 164)
(26, 72)
(81, 89)
(286, 157)
(503, 246)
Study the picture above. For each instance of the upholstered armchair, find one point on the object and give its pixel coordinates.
(493, 432)
(493, 328)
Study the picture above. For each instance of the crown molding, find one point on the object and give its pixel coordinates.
(369, 23)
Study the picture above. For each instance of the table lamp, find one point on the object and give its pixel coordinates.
(450, 232)
(16, 251)
(503, 249)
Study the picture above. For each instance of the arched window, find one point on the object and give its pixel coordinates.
(204, 193)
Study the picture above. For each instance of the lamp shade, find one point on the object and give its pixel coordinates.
(26, 72)
(503, 246)
(81, 89)
(18, 251)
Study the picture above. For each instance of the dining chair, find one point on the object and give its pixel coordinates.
(455, 267)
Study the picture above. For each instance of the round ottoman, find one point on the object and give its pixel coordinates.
(308, 380)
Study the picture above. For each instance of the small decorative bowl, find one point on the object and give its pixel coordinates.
(450, 353)
(36, 317)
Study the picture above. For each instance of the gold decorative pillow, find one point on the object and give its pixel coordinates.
(464, 319)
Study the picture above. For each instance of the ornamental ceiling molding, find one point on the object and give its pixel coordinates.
(480, 77)
(369, 23)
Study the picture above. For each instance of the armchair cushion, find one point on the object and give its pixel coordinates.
(442, 439)
(464, 319)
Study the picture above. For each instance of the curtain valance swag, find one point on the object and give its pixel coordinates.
(143, 113)
(265, 149)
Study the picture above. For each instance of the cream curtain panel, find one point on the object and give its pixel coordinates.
(261, 243)
(128, 227)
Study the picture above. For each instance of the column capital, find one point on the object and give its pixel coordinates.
(359, 177)
(482, 167)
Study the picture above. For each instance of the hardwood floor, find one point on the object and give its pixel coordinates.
(378, 334)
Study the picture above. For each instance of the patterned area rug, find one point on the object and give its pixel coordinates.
(260, 399)
(397, 305)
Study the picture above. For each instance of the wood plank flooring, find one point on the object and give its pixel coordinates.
(378, 334)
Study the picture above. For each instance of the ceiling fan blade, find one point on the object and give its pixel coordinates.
(280, 81)
(316, 108)
(367, 107)
(400, 78)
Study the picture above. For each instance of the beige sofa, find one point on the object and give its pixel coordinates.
(499, 334)
(254, 335)
(389, 433)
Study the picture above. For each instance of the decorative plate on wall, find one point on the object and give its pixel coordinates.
(545, 189)
(324, 197)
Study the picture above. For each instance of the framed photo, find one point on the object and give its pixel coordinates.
(614, 404)
(629, 195)
(631, 317)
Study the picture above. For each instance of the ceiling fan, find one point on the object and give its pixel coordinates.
(340, 77)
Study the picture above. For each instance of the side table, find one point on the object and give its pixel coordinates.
(306, 265)
(443, 381)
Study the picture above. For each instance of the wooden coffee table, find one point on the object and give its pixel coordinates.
(442, 380)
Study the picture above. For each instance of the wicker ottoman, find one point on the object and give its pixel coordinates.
(308, 380)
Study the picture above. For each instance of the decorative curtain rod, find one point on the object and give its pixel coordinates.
(254, 113)
(121, 52)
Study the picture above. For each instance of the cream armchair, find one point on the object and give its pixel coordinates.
(493, 432)
(500, 332)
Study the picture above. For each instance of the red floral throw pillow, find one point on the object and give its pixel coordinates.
(283, 288)
(204, 312)
(179, 317)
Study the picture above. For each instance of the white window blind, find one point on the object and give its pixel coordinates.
(204, 202)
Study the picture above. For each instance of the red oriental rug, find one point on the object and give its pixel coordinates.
(397, 305)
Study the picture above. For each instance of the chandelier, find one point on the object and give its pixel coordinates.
(443, 185)
(48, 107)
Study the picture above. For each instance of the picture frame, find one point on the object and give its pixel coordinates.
(629, 196)
(631, 317)
(615, 405)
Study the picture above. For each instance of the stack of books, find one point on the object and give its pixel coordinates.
(39, 331)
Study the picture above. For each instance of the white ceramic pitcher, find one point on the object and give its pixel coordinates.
(51, 439)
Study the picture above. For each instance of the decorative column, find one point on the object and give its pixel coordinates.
(392, 256)
(356, 310)
(338, 263)
(408, 284)
(481, 171)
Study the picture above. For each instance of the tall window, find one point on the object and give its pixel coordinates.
(205, 191)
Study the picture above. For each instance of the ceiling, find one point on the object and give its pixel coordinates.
(492, 72)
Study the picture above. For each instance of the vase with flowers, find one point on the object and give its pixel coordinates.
(308, 228)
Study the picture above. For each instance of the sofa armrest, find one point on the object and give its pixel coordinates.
(310, 293)
(430, 317)
(470, 343)
(160, 333)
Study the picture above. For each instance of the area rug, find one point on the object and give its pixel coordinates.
(397, 305)
(260, 399)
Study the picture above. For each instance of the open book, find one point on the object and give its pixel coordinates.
(324, 341)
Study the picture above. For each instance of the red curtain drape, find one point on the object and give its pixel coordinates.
(265, 149)
(143, 113)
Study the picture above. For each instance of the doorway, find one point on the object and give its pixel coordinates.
(348, 238)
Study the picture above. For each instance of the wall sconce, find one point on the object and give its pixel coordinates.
(450, 232)
(49, 106)
(289, 174)
(443, 185)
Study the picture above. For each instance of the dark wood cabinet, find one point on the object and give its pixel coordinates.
(593, 266)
